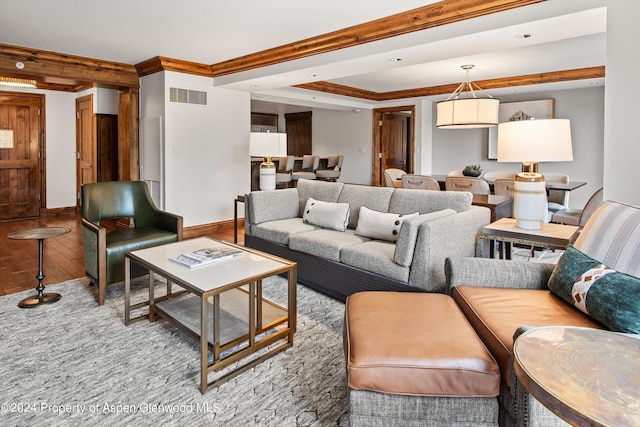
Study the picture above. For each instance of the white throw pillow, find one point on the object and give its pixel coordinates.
(326, 214)
(380, 225)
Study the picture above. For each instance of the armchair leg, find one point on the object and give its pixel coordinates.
(102, 290)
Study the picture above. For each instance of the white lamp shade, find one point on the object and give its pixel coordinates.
(467, 113)
(267, 144)
(547, 140)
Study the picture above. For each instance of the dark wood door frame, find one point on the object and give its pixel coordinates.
(377, 140)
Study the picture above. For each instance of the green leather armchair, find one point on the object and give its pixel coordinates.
(104, 250)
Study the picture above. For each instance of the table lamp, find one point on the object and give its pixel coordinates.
(530, 142)
(267, 144)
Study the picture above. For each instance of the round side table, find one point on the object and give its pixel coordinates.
(585, 376)
(39, 234)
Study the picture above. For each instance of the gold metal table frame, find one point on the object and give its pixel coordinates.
(204, 304)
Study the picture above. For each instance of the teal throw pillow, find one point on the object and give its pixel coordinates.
(610, 297)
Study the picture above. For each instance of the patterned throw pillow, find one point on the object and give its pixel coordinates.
(326, 214)
(606, 295)
(380, 225)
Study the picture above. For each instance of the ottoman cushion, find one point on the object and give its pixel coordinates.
(415, 344)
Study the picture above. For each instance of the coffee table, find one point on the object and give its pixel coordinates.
(585, 376)
(220, 304)
(552, 236)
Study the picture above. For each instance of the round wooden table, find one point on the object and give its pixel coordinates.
(39, 234)
(585, 376)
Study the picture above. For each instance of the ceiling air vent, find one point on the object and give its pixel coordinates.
(187, 96)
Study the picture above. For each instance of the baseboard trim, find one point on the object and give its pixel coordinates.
(211, 228)
(59, 211)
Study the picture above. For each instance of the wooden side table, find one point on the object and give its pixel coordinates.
(553, 236)
(39, 234)
(238, 199)
(585, 376)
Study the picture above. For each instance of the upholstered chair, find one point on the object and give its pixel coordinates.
(392, 177)
(492, 176)
(472, 185)
(503, 187)
(558, 199)
(283, 174)
(334, 167)
(420, 182)
(104, 250)
(309, 167)
(579, 216)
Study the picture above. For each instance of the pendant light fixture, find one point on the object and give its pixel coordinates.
(468, 112)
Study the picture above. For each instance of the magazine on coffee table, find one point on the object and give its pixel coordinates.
(206, 256)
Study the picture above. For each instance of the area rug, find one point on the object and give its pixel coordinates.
(73, 363)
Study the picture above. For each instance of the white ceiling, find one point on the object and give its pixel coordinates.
(549, 36)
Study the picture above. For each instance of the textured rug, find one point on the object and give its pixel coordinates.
(73, 363)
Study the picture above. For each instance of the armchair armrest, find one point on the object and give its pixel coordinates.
(496, 273)
(94, 243)
(168, 222)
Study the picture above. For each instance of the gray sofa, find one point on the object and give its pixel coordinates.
(434, 225)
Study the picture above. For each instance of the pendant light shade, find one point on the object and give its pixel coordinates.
(467, 113)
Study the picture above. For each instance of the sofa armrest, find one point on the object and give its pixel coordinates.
(263, 206)
(496, 273)
(452, 235)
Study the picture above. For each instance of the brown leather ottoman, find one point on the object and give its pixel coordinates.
(413, 359)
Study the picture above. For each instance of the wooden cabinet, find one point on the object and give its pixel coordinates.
(264, 122)
(298, 133)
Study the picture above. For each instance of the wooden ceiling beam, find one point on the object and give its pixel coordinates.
(69, 69)
(524, 80)
(434, 15)
(162, 63)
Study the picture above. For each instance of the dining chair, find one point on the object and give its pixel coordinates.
(283, 174)
(579, 216)
(472, 185)
(419, 182)
(558, 199)
(308, 170)
(392, 177)
(491, 176)
(455, 172)
(503, 187)
(333, 170)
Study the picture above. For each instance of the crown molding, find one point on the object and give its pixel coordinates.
(422, 18)
(162, 63)
(524, 80)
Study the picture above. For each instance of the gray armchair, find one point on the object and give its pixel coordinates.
(104, 250)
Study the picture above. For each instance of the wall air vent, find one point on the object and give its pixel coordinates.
(187, 96)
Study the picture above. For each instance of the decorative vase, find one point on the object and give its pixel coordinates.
(474, 174)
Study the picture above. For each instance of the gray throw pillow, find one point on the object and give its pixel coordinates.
(380, 225)
(326, 214)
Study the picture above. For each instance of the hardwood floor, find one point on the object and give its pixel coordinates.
(63, 255)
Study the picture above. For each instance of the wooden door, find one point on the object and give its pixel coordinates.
(20, 155)
(298, 134)
(394, 141)
(107, 147)
(86, 167)
(393, 136)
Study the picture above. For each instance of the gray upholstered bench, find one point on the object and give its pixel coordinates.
(414, 360)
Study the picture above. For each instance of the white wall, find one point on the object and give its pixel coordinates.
(621, 147)
(105, 101)
(454, 149)
(206, 151)
(347, 133)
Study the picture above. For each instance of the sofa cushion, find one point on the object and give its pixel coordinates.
(496, 314)
(280, 231)
(415, 344)
(375, 256)
(380, 225)
(406, 201)
(376, 198)
(273, 205)
(612, 236)
(319, 190)
(601, 292)
(324, 243)
(406, 243)
(326, 214)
